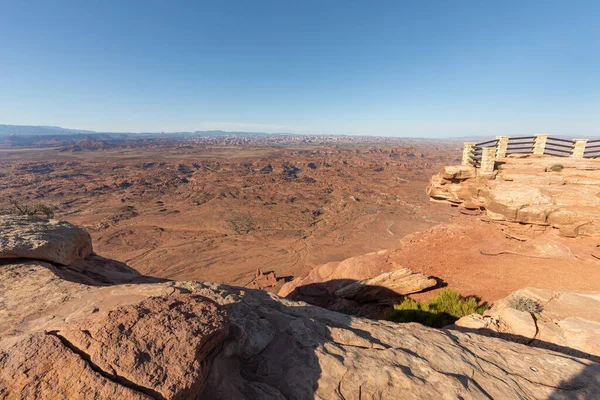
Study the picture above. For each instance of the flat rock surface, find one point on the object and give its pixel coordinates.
(50, 240)
(68, 333)
(567, 321)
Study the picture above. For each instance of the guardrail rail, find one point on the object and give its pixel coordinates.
(482, 155)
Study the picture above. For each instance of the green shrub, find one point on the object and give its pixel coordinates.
(556, 168)
(444, 309)
(524, 304)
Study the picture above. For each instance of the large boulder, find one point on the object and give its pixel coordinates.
(40, 366)
(328, 278)
(161, 344)
(363, 285)
(49, 240)
(390, 284)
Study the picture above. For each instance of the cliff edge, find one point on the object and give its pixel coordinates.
(562, 193)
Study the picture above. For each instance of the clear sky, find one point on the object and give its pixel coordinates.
(402, 68)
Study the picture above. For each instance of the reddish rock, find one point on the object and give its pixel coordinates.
(162, 344)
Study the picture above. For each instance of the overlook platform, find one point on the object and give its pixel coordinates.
(484, 155)
(560, 192)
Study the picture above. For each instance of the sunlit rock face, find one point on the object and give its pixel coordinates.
(98, 329)
(562, 193)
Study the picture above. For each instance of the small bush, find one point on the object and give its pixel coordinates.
(556, 168)
(19, 208)
(444, 309)
(524, 304)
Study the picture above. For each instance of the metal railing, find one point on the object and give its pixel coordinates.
(475, 153)
(478, 150)
(592, 149)
(520, 145)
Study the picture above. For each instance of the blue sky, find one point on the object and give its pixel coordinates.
(419, 68)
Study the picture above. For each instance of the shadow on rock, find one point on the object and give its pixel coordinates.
(99, 271)
(92, 271)
(374, 302)
(279, 349)
(531, 342)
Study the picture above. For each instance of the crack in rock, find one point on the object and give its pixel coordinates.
(113, 377)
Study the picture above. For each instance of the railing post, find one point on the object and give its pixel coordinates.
(578, 148)
(539, 144)
(501, 146)
(488, 160)
(468, 153)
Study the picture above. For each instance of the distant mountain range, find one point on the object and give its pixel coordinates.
(27, 134)
(28, 130)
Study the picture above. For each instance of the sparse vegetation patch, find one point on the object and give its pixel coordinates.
(444, 309)
(524, 304)
(19, 208)
(556, 168)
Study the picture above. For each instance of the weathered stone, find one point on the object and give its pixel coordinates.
(569, 321)
(172, 340)
(49, 240)
(458, 172)
(400, 282)
(42, 367)
(533, 190)
(161, 344)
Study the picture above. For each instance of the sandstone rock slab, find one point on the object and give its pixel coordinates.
(161, 344)
(567, 321)
(529, 190)
(49, 240)
(42, 367)
(400, 282)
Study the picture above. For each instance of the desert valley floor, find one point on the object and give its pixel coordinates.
(218, 209)
(219, 212)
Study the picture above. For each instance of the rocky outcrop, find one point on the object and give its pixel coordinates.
(49, 240)
(174, 340)
(363, 285)
(565, 321)
(335, 275)
(162, 344)
(400, 282)
(562, 193)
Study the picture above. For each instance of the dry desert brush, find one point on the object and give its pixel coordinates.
(556, 168)
(20, 208)
(526, 304)
(442, 310)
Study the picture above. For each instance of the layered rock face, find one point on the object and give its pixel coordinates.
(358, 284)
(563, 193)
(567, 321)
(90, 332)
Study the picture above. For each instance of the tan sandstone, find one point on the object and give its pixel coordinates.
(66, 339)
(559, 192)
(568, 321)
(50, 240)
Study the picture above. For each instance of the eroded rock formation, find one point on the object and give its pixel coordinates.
(62, 338)
(358, 284)
(563, 193)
